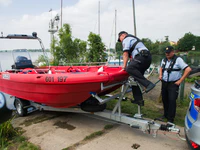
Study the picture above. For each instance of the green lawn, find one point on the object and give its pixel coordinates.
(152, 109)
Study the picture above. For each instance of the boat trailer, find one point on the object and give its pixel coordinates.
(137, 121)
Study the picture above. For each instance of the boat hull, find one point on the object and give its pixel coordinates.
(64, 87)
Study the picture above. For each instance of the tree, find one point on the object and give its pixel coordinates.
(152, 47)
(67, 50)
(162, 46)
(147, 42)
(187, 42)
(96, 49)
(155, 47)
(119, 49)
(197, 43)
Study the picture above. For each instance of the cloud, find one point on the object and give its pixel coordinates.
(26, 25)
(154, 19)
(5, 2)
(172, 18)
(83, 18)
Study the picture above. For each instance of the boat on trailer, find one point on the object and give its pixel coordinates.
(57, 86)
(61, 86)
(70, 89)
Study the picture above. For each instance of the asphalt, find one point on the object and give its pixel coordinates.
(56, 131)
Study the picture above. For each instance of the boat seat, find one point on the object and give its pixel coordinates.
(40, 71)
(28, 71)
(72, 69)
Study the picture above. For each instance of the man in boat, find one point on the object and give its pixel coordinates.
(140, 61)
(171, 77)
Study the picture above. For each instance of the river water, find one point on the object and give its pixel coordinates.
(6, 59)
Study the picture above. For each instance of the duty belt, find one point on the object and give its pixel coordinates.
(169, 81)
(144, 53)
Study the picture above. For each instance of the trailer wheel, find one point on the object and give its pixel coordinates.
(2, 101)
(92, 105)
(19, 105)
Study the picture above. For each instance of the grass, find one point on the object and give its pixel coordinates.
(152, 109)
(6, 133)
(94, 135)
(90, 137)
(108, 126)
(27, 146)
(11, 138)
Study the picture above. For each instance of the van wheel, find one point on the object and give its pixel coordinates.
(2, 101)
(92, 105)
(20, 107)
(6, 113)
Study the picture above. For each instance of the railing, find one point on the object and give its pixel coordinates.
(85, 64)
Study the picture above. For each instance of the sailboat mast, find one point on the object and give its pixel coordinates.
(134, 20)
(61, 14)
(99, 19)
(115, 30)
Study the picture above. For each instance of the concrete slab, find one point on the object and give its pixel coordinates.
(125, 138)
(61, 130)
(51, 137)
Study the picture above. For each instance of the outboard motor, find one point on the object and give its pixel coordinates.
(22, 62)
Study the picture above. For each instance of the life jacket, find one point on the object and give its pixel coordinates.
(133, 46)
(171, 65)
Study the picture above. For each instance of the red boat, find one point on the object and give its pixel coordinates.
(61, 86)
(57, 86)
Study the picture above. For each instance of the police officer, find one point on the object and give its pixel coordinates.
(140, 61)
(171, 77)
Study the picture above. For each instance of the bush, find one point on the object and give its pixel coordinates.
(194, 53)
(7, 132)
(191, 80)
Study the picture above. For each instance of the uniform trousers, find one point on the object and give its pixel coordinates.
(169, 92)
(136, 69)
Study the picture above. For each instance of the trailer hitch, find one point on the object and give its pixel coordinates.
(169, 127)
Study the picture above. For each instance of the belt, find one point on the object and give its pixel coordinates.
(143, 52)
(169, 81)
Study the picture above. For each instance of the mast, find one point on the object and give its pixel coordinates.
(61, 14)
(134, 20)
(99, 19)
(115, 30)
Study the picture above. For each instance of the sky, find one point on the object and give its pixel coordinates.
(154, 19)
